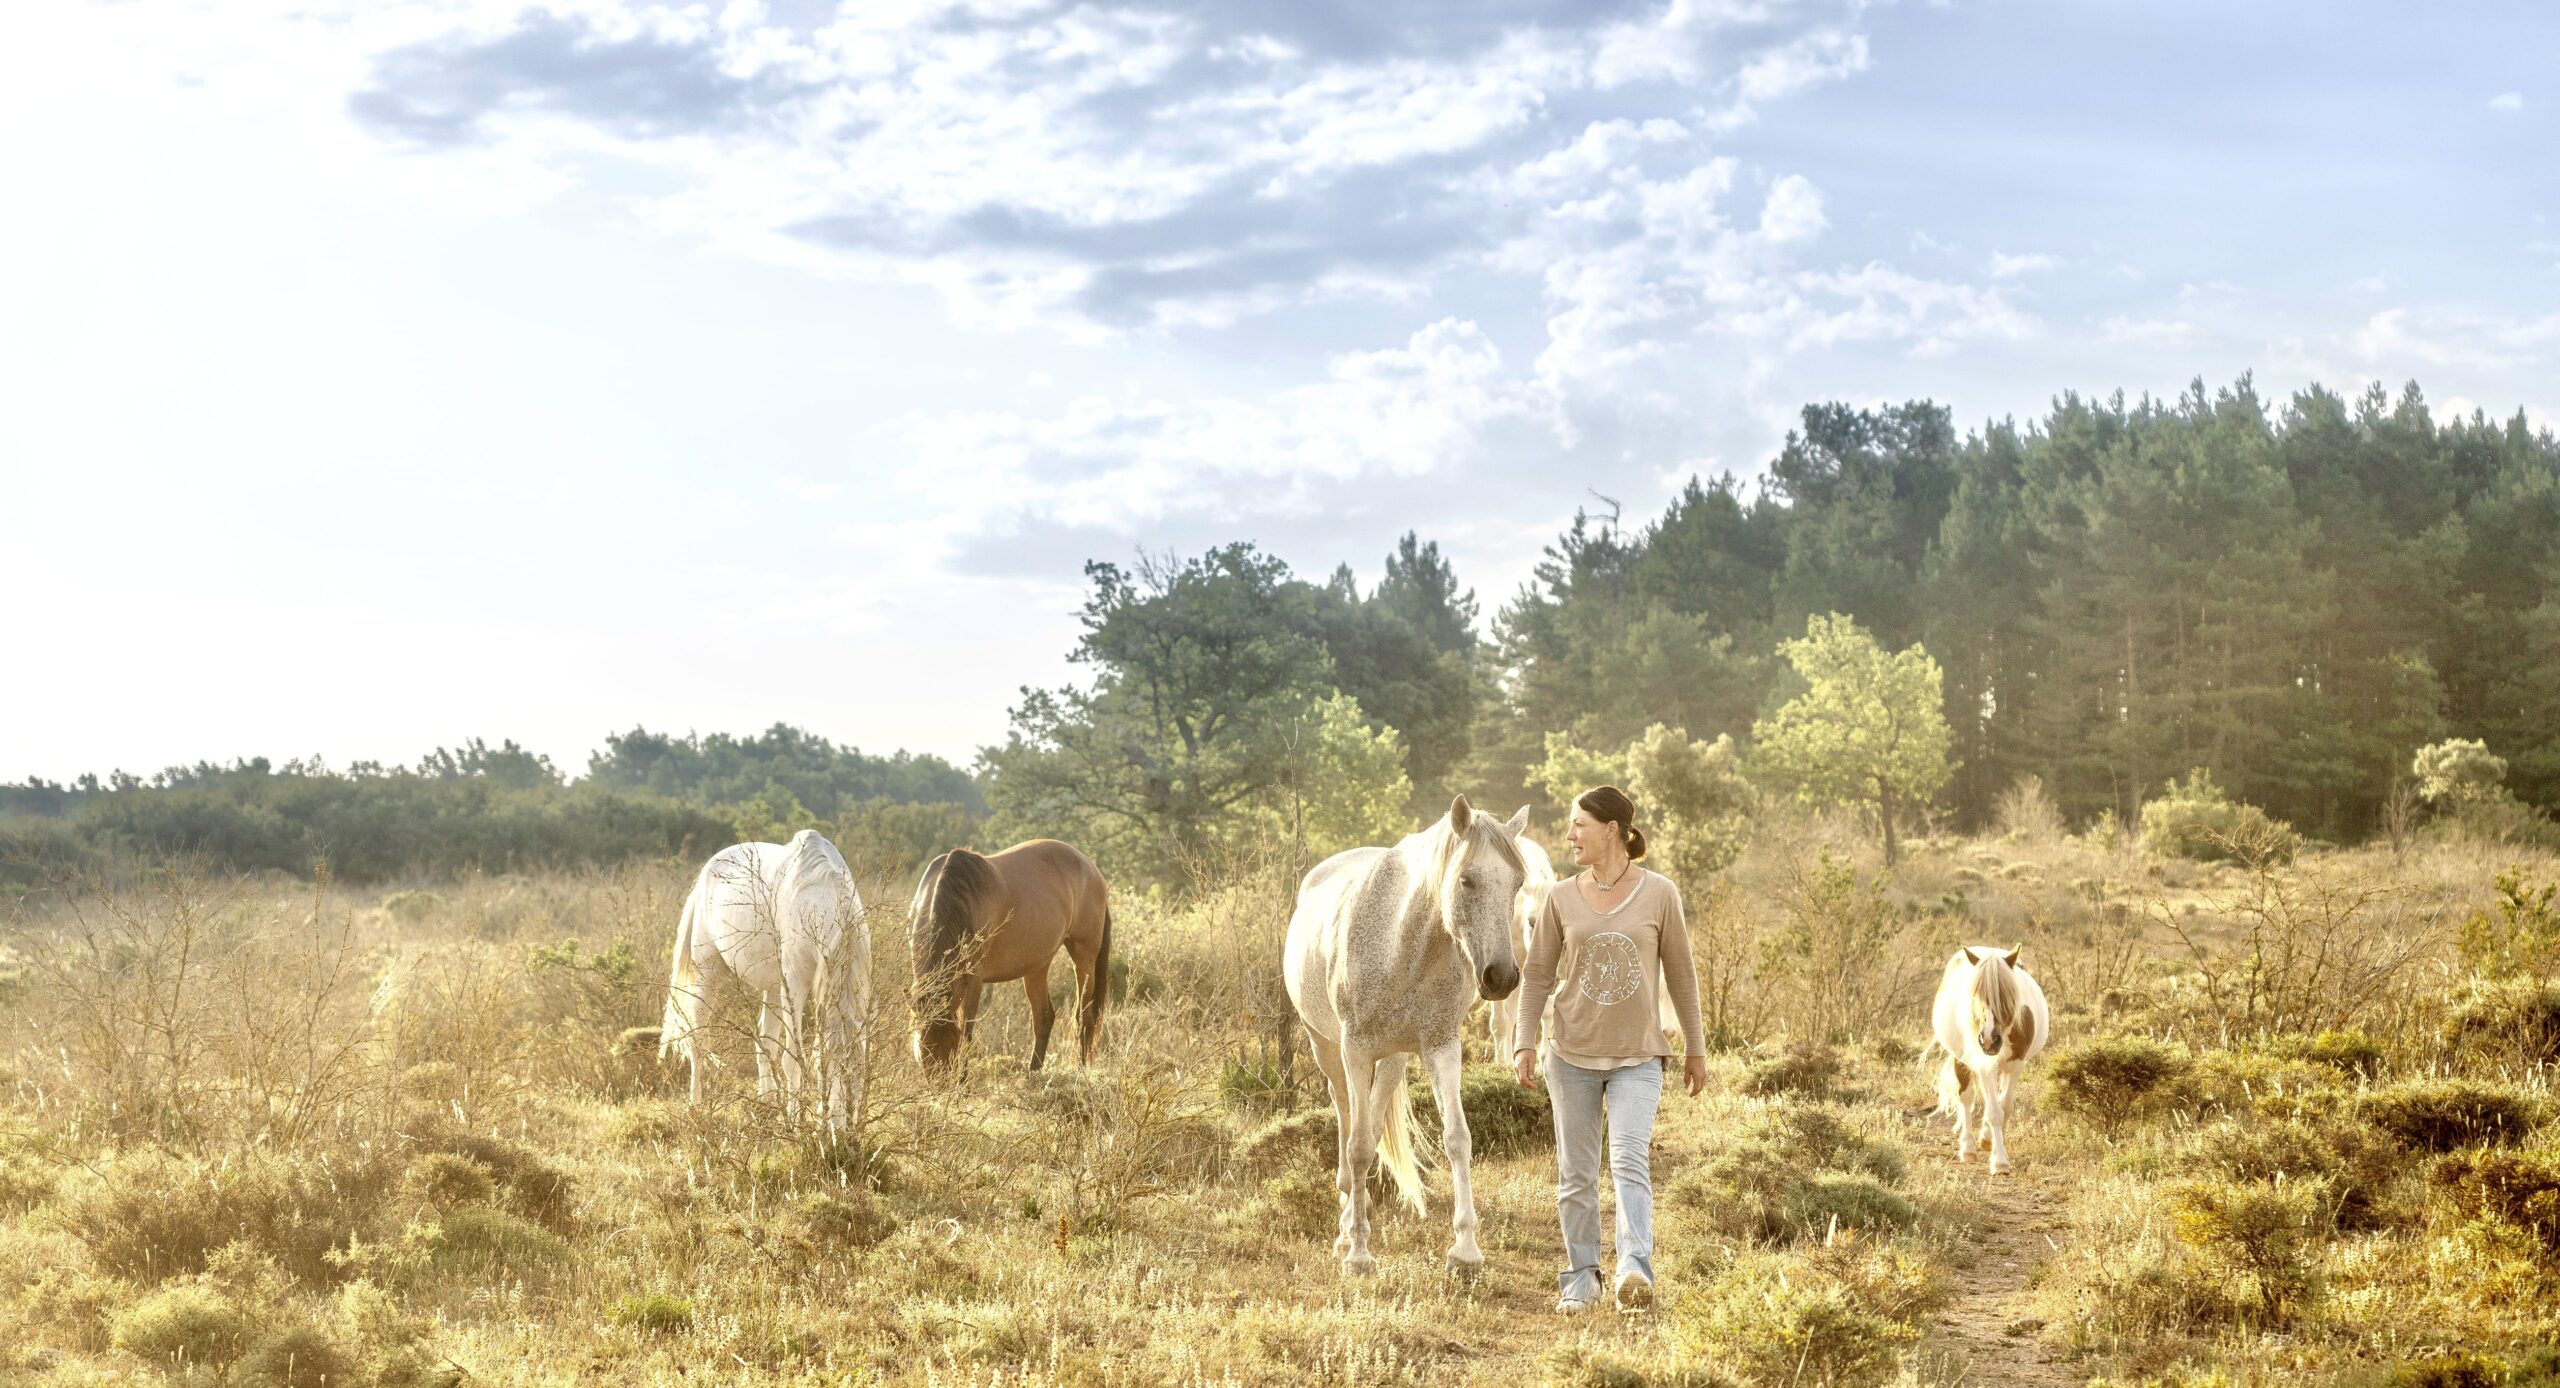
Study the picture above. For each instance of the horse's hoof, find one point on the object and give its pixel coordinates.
(1342, 1246)
(1360, 1265)
(1999, 1168)
(1464, 1270)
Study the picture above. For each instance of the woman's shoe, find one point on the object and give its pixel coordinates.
(1635, 1291)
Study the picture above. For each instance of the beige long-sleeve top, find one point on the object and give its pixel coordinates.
(1610, 966)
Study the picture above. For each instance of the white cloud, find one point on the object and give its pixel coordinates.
(1117, 464)
(2148, 332)
(2006, 266)
(1793, 211)
(1826, 55)
(2507, 101)
(2397, 337)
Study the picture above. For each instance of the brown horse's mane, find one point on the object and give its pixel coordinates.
(963, 882)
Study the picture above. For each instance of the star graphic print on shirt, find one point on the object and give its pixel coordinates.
(1612, 968)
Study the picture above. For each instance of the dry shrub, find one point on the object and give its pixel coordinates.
(2441, 1115)
(444, 1179)
(2514, 1194)
(2324, 946)
(483, 1244)
(1308, 1139)
(2346, 1050)
(2358, 1168)
(1843, 954)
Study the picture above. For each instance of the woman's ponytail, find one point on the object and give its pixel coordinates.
(1635, 844)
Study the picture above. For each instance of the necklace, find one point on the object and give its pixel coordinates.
(1612, 884)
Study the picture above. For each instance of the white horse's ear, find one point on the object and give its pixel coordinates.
(2014, 951)
(1969, 956)
(1460, 813)
(1518, 823)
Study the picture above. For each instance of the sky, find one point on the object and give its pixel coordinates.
(377, 374)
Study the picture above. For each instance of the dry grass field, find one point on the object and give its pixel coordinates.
(265, 1132)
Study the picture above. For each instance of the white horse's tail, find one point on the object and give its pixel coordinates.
(1950, 1077)
(684, 985)
(840, 997)
(1396, 1149)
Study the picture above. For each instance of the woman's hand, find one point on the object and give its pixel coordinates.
(1524, 1064)
(1693, 1073)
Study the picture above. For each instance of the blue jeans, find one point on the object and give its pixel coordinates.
(1579, 1097)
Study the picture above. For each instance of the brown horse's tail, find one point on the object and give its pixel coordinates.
(1097, 991)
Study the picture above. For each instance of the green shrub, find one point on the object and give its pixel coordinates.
(2265, 1232)
(656, 1313)
(1833, 1202)
(448, 1178)
(2517, 1020)
(183, 1324)
(1255, 1084)
(2195, 820)
(1581, 1366)
(151, 1215)
(1504, 1117)
(1307, 1138)
(2441, 1115)
(482, 1242)
(25, 1182)
(2252, 1081)
(2111, 1080)
(2358, 1167)
(1802, 1069)
(2447, 1371)
(534, 1187)
(300, 1357)
(2349, 1052)
(2516, 1194)
(1303, 1202)
(413, 907)
(1773, 1329)
(2517, 936)
(824, 1223)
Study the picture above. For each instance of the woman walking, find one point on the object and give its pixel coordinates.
(1603, 945)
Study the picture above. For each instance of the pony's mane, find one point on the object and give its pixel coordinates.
(1995, 984)
(962, 879)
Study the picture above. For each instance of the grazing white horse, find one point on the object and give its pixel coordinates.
(1387, 952)
(1524, 917)
(1990, 1019)
(785, 918)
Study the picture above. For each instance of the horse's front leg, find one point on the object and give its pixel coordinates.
(1995, 1113)
(1329, 1060)
(1360, 1134)
(1044, 1013)
(1445, 1062)
(1968, 1089)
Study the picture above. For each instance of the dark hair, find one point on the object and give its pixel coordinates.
(1610, 805)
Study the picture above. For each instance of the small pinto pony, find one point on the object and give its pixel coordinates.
(982, 918)
(785, 920)
(1991, 1020)
(1388, 950)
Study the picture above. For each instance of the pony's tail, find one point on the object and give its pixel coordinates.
(1097, 992)
(1950, 1077)
(1396, 1150)
(684, 985)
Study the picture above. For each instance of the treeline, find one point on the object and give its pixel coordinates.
(2291, 600)
(477, 807)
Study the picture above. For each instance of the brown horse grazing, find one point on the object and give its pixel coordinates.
(990, 918)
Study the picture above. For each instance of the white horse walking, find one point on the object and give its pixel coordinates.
(1990, 1019)
(786, 919)
(1387, 952)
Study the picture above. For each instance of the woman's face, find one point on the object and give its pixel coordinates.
(1589, 838)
